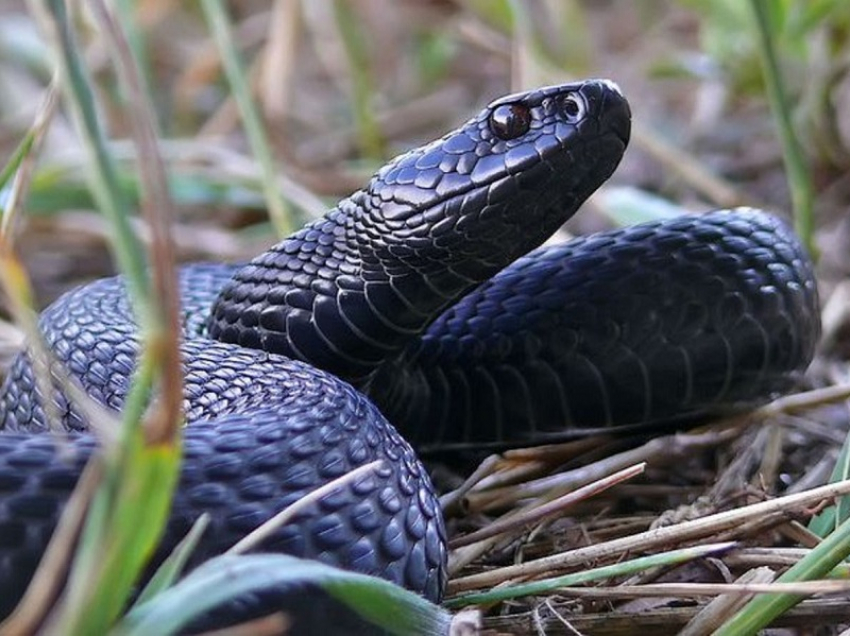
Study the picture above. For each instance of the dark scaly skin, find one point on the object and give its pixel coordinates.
(265, 429)
(431, 225)
(663, 320)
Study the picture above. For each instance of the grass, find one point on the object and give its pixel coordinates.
(219, 22)
(139, 465)
(768, 17)
(128, 500)
(522, 506)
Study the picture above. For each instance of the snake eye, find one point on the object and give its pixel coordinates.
(509, 121)
(572, 105)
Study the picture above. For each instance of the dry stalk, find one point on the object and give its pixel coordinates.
(539, 512)
(655, 452)
(719, 609)
(251, 541)
(689, 590)
(48, 579)
(651, 539)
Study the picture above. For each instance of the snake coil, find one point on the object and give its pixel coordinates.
(404, 296)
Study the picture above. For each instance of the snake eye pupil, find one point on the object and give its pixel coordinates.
(509, 121)
(573, 108)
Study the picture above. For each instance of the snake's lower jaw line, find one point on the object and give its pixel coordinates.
(618, 119)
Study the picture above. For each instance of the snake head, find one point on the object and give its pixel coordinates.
(502, 183)
(352, 288)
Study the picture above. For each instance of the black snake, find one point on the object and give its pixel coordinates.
(406, 293)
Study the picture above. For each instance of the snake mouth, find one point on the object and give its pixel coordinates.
(617, 118)
(411, 208)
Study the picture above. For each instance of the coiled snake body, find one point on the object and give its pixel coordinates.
(385, 295)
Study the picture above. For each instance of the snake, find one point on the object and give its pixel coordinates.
(422, 310)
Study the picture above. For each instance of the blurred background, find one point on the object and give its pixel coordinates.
(344, 85)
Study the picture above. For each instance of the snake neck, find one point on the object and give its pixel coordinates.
(341, 296)
(350, 291)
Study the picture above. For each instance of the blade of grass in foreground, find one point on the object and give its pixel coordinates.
(16, 176)
(827, 520)
(759, 612)
(170, 569)
(625, 568)
(130, 507)
(226, 577)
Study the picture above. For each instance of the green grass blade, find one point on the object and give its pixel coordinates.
(624, 568)
(799, 180)
(226, 577)
(217, 18)
(764, 608)
(167, 573)
(16, 176)
(136, 508)
(371, 141)
(56, 188)
(126, 11)
(18, 155)
(131, 505)
(103, 177)
(827, 520)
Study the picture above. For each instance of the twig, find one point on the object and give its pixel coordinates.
(284, 516)
(540, 512)
(651, 539)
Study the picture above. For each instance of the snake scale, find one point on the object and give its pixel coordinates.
(422, 310)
